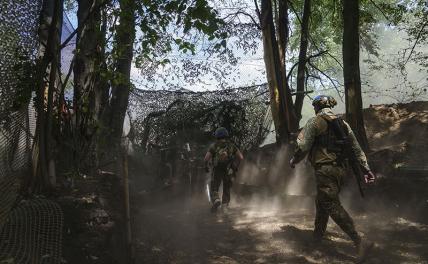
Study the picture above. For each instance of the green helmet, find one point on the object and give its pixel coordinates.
(323, 101)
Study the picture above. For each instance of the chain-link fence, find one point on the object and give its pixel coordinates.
(30, 230)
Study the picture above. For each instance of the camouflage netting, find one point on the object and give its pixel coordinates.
(159, 117)
(30, 230)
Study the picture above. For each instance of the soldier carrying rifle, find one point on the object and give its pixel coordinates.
(332, 147)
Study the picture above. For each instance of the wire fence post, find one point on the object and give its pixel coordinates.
(125, 172)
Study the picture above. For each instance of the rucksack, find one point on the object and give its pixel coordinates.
(223, 154)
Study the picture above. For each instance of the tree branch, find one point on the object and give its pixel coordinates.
(82, 26)
(307, 59)
(257, 9)
(245, 14)
(310, 37)
(251, 17)
(416, 41)
(380, 9)
(328, 77)
(69, 71)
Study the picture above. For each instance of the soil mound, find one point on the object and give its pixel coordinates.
(398, 135)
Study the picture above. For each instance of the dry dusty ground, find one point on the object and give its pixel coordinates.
(268, 230)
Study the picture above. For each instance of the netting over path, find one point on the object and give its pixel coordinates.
(158, 117)
(30, 230)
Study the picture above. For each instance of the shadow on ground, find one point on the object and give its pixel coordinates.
(265, 231)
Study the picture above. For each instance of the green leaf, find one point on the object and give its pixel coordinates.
(187, 25)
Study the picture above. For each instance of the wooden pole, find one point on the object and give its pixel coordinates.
(129, 244)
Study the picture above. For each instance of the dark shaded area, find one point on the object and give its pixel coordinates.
(184, 231)
(93, 220)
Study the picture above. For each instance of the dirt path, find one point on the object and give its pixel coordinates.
(266, 231)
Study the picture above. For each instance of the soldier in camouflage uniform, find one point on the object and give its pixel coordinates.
(318, 140)
(225, 158)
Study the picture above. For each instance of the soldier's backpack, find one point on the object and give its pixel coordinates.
(224, 154)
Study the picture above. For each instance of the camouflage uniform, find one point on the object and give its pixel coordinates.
(329, 173)
(223, 154)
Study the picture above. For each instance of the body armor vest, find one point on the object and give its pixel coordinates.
(334, 139)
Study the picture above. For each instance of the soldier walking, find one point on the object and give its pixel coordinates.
(225, 158)
(326, 154)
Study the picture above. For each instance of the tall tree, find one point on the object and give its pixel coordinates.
(90, 90)
(48, 65)
(351, 70)
(123, 52)
(272, 61)
(304, 41)
(283, 113)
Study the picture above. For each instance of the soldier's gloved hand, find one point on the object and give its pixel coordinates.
(292, 163)
(207, 169)
(369, 177)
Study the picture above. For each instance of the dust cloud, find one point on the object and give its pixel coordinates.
(270, 220)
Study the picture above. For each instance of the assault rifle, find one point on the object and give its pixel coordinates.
(361, 173)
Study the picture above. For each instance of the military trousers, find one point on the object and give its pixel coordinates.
(220, 176)
(329, 179)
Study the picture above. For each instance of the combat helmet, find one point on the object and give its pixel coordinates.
(323, 101)
(221, 132)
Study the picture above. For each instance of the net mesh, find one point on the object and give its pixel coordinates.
(30, 230)
(32, 233)
(159, 117)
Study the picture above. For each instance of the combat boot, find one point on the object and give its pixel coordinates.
(216, 204)
(363, 250)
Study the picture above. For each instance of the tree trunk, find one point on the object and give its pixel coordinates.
(89, 89)
(52, 93)
(102, 96)
(272, 62)
(274, 56)
(123, 52)
(43, 149)
(114, 116)
(351, 71)
(304, 36)
(283, 25)
(102, 87)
